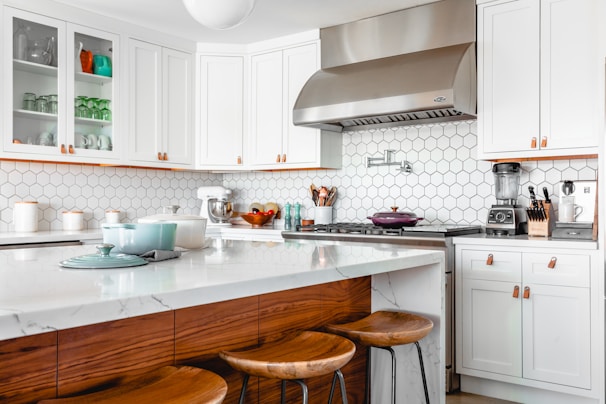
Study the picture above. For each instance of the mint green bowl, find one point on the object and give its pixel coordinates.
(139, 238)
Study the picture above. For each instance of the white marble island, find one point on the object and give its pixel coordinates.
(38, 296)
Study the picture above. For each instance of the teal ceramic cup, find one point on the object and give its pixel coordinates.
(102, 65)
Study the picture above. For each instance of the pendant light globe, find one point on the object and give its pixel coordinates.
(220, 14)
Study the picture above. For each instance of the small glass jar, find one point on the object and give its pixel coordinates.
(42, 104)
(29, 101)
(53, 105)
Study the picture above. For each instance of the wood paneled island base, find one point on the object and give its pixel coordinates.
(66, 362)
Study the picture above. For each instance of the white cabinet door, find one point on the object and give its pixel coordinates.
(300, 145)
(491, 327)
(557, 335)
(221, 112)
(177, 142)
(145, 117)
(538, 72)
(161, 129)
(24, 124)
(508, 76)
(265, 142)
(569, 56)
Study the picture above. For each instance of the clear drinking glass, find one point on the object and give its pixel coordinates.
(82, 110)
(106, 113)
(29, 101)
(93, 106)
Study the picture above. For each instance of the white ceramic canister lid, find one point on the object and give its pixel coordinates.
(73, 220)
(25, 216)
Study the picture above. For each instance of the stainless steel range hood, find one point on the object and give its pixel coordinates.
(410, 67)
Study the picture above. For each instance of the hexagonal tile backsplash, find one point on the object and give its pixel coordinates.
(447, 184)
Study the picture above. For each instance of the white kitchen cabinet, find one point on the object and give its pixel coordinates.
(161, 130)
(57, 135)
(530, 317)
(221, 112)
(275, 142)
(538, 74)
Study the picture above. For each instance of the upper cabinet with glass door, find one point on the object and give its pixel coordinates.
(34, 85)
(63, 101)
(91, 93)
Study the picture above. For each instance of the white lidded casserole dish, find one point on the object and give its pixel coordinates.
(191, 229)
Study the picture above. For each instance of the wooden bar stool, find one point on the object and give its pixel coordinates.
(169, 384)
(304, 355)
(385, 329)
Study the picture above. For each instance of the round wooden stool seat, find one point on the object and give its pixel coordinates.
(385, 328)
(307, 354)
(169, 384)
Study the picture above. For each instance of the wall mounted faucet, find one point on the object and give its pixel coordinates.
(387, 160)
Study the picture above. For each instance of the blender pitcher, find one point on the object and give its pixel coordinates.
(506, 183)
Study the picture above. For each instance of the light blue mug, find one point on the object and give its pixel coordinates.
(102, 65)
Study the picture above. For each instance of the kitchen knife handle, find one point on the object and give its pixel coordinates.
(552, 263)
(489, 259)
(516, 292)
(526, 294)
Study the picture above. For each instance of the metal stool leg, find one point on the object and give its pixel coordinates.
(422, 372)
(368, 368)
(243, 391)
(303, 389)
(283, 392)
(393, 371)
(338, 375)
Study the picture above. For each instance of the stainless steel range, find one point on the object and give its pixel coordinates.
(435, 237)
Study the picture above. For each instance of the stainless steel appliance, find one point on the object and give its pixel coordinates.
(434, 237)
(580, 197)
(409, 67)
(216, 206)
(506, 217)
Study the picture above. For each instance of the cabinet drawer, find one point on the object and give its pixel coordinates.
(568, 269)
(491, 265)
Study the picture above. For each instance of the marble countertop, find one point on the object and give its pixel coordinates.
(38, 295)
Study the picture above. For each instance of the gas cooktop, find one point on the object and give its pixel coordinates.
(429, 230)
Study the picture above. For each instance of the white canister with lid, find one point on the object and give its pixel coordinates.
(25, 216)
(73, 220)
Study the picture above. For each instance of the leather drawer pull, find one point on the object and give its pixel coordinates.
(544, 142)
(516, 292)
(526, 292)
(533, 143)
(489, 259)
(552, 263)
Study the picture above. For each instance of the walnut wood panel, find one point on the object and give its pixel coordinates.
(99, 355)
(311, 308)
(202, 331)
(28, 368)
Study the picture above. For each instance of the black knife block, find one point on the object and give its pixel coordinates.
(542, 228)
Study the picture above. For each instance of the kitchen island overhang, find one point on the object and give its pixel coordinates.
(38, 296)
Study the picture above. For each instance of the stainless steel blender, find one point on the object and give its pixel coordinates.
(506, 218)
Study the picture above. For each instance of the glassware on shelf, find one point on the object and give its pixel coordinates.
(42, 104)
(37, 52)
(51, 48)
(29, 101)
(53, 104)
(93, 106)
(20, 40)
(106, 113)
(82, 110)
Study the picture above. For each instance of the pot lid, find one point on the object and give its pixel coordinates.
(103, 260)
(171, 217)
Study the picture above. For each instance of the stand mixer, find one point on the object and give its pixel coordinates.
(216, 206)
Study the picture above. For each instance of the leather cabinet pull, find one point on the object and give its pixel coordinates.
(159, 156)
(526, 292)
(70, 148)
(278, 158)
(516, 292)
(489, 259)
(533, 143)
(239, 160)
(552, 263)
(284, 158)
(544, 142)
(63, 151)
(165, 157)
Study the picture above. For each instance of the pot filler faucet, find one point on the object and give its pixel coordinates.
(387, 160)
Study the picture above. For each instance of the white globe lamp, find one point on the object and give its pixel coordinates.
(219, 14)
